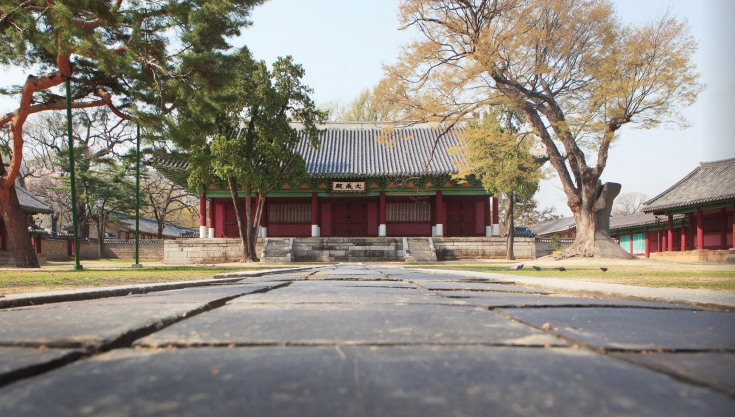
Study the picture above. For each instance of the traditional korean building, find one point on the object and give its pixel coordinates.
(366, 180)
(706, 199)
(31, 205)
(695, 213)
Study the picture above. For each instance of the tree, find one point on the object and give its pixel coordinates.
(254, 149)
(568, 66)
(367, 107)
(500, 156)
(629, 203)
(100, 136)
(131, 56)
(109, 190)
(165, 199)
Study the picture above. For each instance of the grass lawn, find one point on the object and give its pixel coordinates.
(61, 276)
(676, 276)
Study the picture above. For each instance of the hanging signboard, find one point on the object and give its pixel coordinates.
(348, 186)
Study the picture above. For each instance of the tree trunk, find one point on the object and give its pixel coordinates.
(16, 226)
(251, 235)
(510, 225)
(83, 221)
(101, 236)
(159, 232)
(238, 215)
(593, 227)
(256, 226)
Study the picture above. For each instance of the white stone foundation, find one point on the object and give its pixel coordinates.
(381, 230)
(203, 232)
(211, 233)
(488, 231)
(263, 232)
(496, 230)
(316, 231)
(439, 230)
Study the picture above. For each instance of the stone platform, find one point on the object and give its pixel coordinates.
(353, 340)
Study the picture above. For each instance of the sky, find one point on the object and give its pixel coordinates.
(344, 44)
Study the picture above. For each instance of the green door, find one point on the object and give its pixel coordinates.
(639, 243)
(625, 242)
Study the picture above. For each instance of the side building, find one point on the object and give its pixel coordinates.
(364, 180)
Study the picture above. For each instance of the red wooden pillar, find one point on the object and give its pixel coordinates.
(315, 232)
(723, 228)
(663, 243)
(264, 219)
(648, 245)
(382, 215)
(488, 218)
(683, 239)
(212, 218)
(631, 244)
(700, 230)
(203, 215)
(496, 217)
(439, 209)
(670, 233)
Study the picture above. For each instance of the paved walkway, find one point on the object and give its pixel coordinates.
(354, 340)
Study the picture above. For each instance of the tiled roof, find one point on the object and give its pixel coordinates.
(148, 226)
(367, 150)
(372, 150)
(710, 183)
(634, 220)
(30, 202)
(554, 226)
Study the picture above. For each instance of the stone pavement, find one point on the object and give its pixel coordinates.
(356, 340)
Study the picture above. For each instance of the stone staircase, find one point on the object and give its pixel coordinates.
(382, 249)
(420, 250)
(277, 250)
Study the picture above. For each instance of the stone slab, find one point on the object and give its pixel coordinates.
(324, 292)
(506, 300)
(16, 361)
(472, 286)
(715, 369)
(358, 381)
(94, 323)
(635, 328)
(382, 283)
(264, 324)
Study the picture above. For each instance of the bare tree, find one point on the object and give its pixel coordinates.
(568, 66)
(166, 200)
(629, 203)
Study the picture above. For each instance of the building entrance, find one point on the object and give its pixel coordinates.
(460, 218)
(349, 219)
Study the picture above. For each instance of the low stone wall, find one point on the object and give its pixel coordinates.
(453, 248)
(542, 246)
(55, 249)
(204, 251)
(148, 249)
(335, 249)
(706, 255)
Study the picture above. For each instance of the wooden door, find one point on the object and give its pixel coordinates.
(460, 218)
(349, 219)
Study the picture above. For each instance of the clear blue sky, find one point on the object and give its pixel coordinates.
(343, 45)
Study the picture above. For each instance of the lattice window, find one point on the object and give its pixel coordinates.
(408, 212)
(289, 213)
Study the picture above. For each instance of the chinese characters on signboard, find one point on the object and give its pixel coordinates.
(348, 186)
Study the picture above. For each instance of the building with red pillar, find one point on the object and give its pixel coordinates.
(706, 198)
(367, 179)
(695, 213)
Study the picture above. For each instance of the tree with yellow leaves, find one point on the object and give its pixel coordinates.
(500, 156)
(575, 73)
